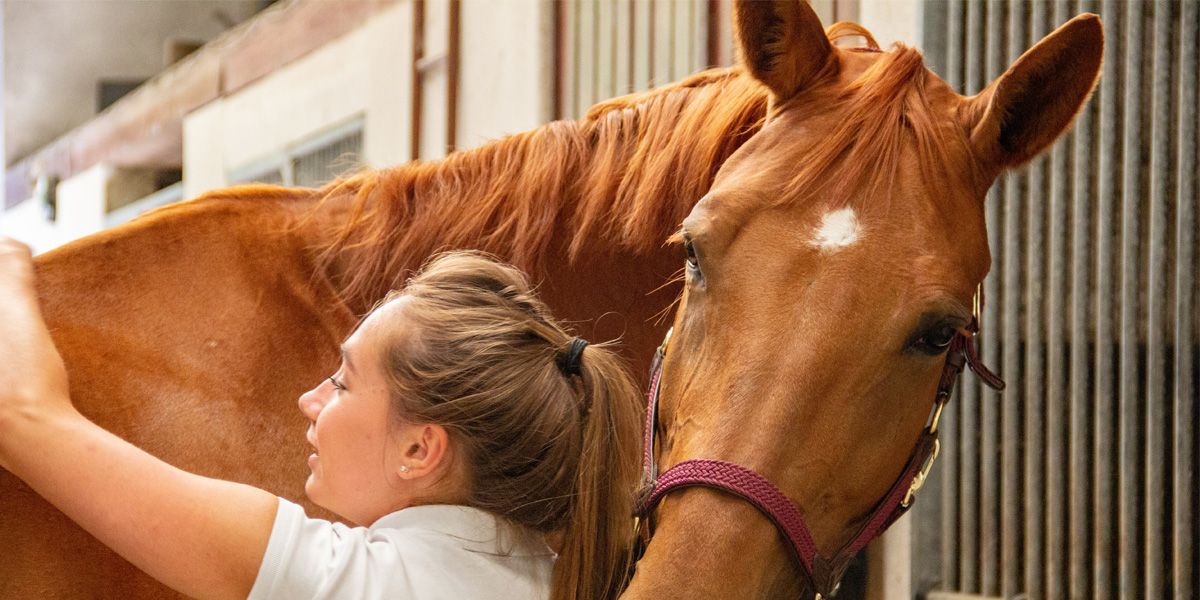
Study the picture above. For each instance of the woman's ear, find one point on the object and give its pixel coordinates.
(423, 449)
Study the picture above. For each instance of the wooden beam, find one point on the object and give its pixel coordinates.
(145, 128)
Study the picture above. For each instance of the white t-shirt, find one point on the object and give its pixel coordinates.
(419, 553)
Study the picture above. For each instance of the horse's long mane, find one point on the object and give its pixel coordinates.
(625, 176)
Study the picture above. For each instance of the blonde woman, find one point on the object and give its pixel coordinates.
(462, 429)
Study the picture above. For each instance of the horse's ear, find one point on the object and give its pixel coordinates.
(1035, 100)
(782, 43)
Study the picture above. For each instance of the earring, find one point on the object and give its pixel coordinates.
(403, 468)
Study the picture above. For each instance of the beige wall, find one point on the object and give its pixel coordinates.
(82, 203)
(504, 87)
(892, 21)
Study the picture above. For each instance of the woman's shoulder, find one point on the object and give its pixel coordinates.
(471, 529)
(426, 552)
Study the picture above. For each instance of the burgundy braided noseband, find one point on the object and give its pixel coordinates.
(821, 574)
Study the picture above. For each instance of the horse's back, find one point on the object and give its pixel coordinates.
(189, 332)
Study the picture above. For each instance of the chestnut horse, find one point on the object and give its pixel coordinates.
(840, 232)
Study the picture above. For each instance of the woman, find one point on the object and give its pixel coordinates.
(463, 428)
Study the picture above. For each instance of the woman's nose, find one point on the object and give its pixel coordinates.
(310, 403)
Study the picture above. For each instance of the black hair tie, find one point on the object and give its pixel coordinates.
(569, 361)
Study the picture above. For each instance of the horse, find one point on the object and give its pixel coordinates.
(831, 288)
(191, 331)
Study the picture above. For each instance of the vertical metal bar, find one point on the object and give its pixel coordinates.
(970, 467)
(990, 418)
(1184, 522)
(712, 27)
(952, 473)
(595, 43)
(1156, 406)
(1051, 474)
(418, 77)
(606, 46)
(1105, 499)
(561, 62)
(664, 40)
(643, 45)
(454, 60)
(1011, 466)
(1130, 402)
(623, 47)
(672, 20)
(1082, 209)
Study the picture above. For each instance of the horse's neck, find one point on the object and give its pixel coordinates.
(620, 180)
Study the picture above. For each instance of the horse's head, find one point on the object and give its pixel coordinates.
(835, 256)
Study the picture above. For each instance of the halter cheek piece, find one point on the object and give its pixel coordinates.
(819, 574)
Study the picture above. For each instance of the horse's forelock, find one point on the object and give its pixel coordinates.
(875, 114)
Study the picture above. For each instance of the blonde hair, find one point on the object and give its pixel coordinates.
(476, 352)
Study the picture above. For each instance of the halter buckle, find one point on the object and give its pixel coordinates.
(919, 480)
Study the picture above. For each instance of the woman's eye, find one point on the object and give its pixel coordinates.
(337, 384)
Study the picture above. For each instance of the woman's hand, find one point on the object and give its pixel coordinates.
(33, 380)
(203, 537)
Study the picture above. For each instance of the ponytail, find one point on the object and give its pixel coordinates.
(593, 562)
(548, 427)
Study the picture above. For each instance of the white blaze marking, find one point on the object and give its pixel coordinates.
(838, 230)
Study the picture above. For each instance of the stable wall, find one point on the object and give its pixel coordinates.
(504, 87)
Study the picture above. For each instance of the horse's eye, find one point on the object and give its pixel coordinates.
(937, 340)
(692, 262)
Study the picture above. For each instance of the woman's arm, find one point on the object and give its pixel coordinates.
(200, 536)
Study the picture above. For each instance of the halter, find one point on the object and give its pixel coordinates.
(821, 574)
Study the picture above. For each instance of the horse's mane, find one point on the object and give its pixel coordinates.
(625, 176)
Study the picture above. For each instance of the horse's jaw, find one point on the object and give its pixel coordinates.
(708, 544)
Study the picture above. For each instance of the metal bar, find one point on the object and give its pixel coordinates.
(606, 41)
(951, 470)
(712, 46)
(664, 56)
(643, 45)
(418, 78)
(1129, 515)
(1050, 476)
(585, 56)
(1156, 405)
(1105, 470)
(990, 459)
(1184, 521)
(622, 47)
(970, 465)
(1011, 464)
(454, 54)
(1082, 210)
(557, 95)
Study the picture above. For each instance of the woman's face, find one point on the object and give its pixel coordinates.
(357, 456)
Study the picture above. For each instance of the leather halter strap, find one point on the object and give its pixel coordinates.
(821, 574)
